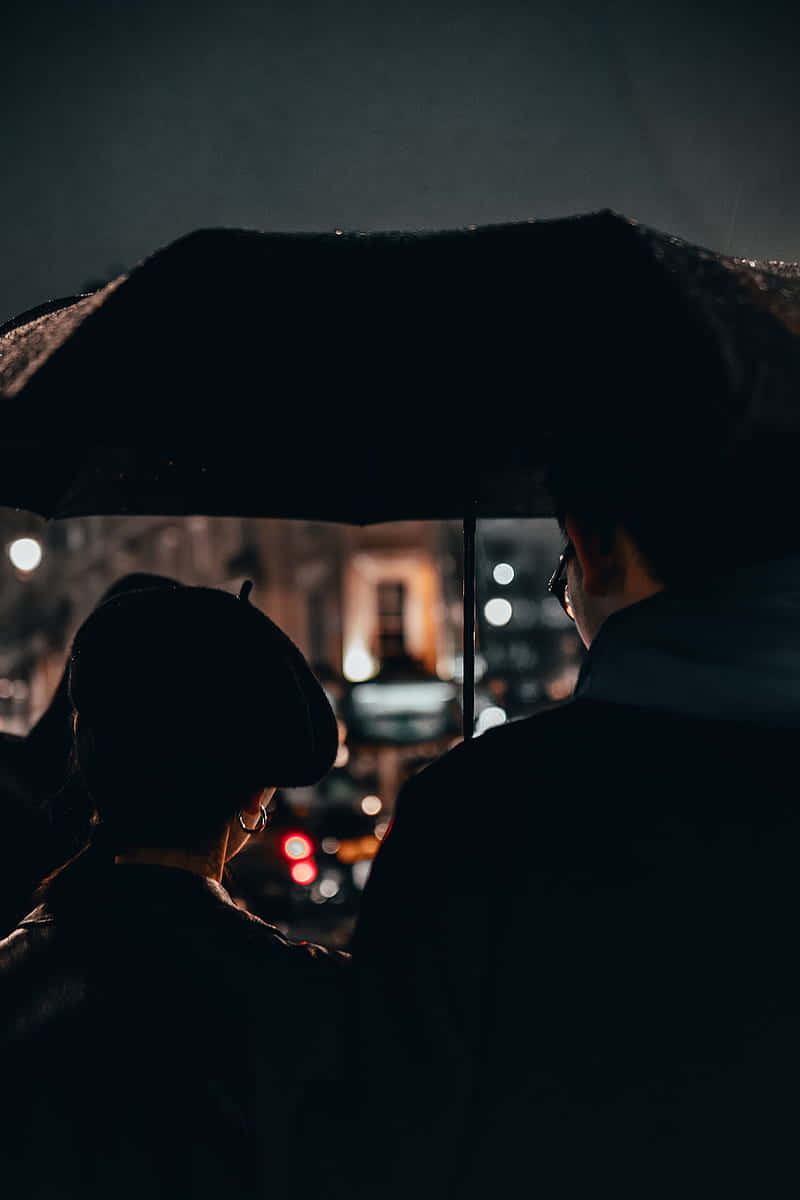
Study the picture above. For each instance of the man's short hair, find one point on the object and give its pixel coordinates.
(700, 489)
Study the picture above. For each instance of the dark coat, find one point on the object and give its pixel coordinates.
(577, 947)
(160, 1041)
(45, 812)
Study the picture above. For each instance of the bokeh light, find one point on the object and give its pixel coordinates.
(358, 663)
(497, 611)
(489, 717)
(371, 805)
(304, 872)
(25, 553)
(342, 756)
(296, 846)
(361, 871)
(503, 573)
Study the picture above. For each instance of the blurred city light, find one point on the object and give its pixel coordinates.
(25, 553)
(480, 668)
(352, 850)
(342, 756)
(404, 697)
(361, 872)
(489, 717)
(503, 573)
(400, 718)
(304, 872)
(358, 662)
(297, 846)
(497, 611)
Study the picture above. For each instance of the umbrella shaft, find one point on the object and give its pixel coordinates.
(468, 700)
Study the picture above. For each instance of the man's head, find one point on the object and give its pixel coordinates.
(599, 575)
(647, 506)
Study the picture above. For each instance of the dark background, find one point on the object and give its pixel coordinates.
(127, 124)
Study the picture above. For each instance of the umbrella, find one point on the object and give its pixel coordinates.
(374, 377)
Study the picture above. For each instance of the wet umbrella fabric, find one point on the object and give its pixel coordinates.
(376, 377)
(388, 376)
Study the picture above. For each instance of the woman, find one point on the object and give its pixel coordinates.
(161, 1041)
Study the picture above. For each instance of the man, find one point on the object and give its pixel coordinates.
(576, 952)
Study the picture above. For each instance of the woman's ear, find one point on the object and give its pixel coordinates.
(262, 796)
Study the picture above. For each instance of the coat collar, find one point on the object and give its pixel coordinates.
(728, 649)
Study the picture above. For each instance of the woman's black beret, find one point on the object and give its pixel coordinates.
(200, 672)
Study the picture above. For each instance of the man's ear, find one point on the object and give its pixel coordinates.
(601, 567)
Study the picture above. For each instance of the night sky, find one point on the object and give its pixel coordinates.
(127, 124)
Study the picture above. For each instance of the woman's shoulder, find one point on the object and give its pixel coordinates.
(266, 938)
(38, 984)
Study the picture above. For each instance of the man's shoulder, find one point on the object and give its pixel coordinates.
(583, 744)
(539, 738)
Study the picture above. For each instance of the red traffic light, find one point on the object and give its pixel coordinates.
(304, 872)
(296, 847)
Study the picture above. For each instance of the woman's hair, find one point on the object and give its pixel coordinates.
(189, 700)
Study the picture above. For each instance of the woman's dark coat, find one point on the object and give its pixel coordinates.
(159, 1041)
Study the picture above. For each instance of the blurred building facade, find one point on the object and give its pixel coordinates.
(377, 610)
(353, 598)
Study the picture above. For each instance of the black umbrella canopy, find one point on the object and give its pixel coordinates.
(386, 376)
(383, 376)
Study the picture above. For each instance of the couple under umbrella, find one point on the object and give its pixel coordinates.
(602, 996)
